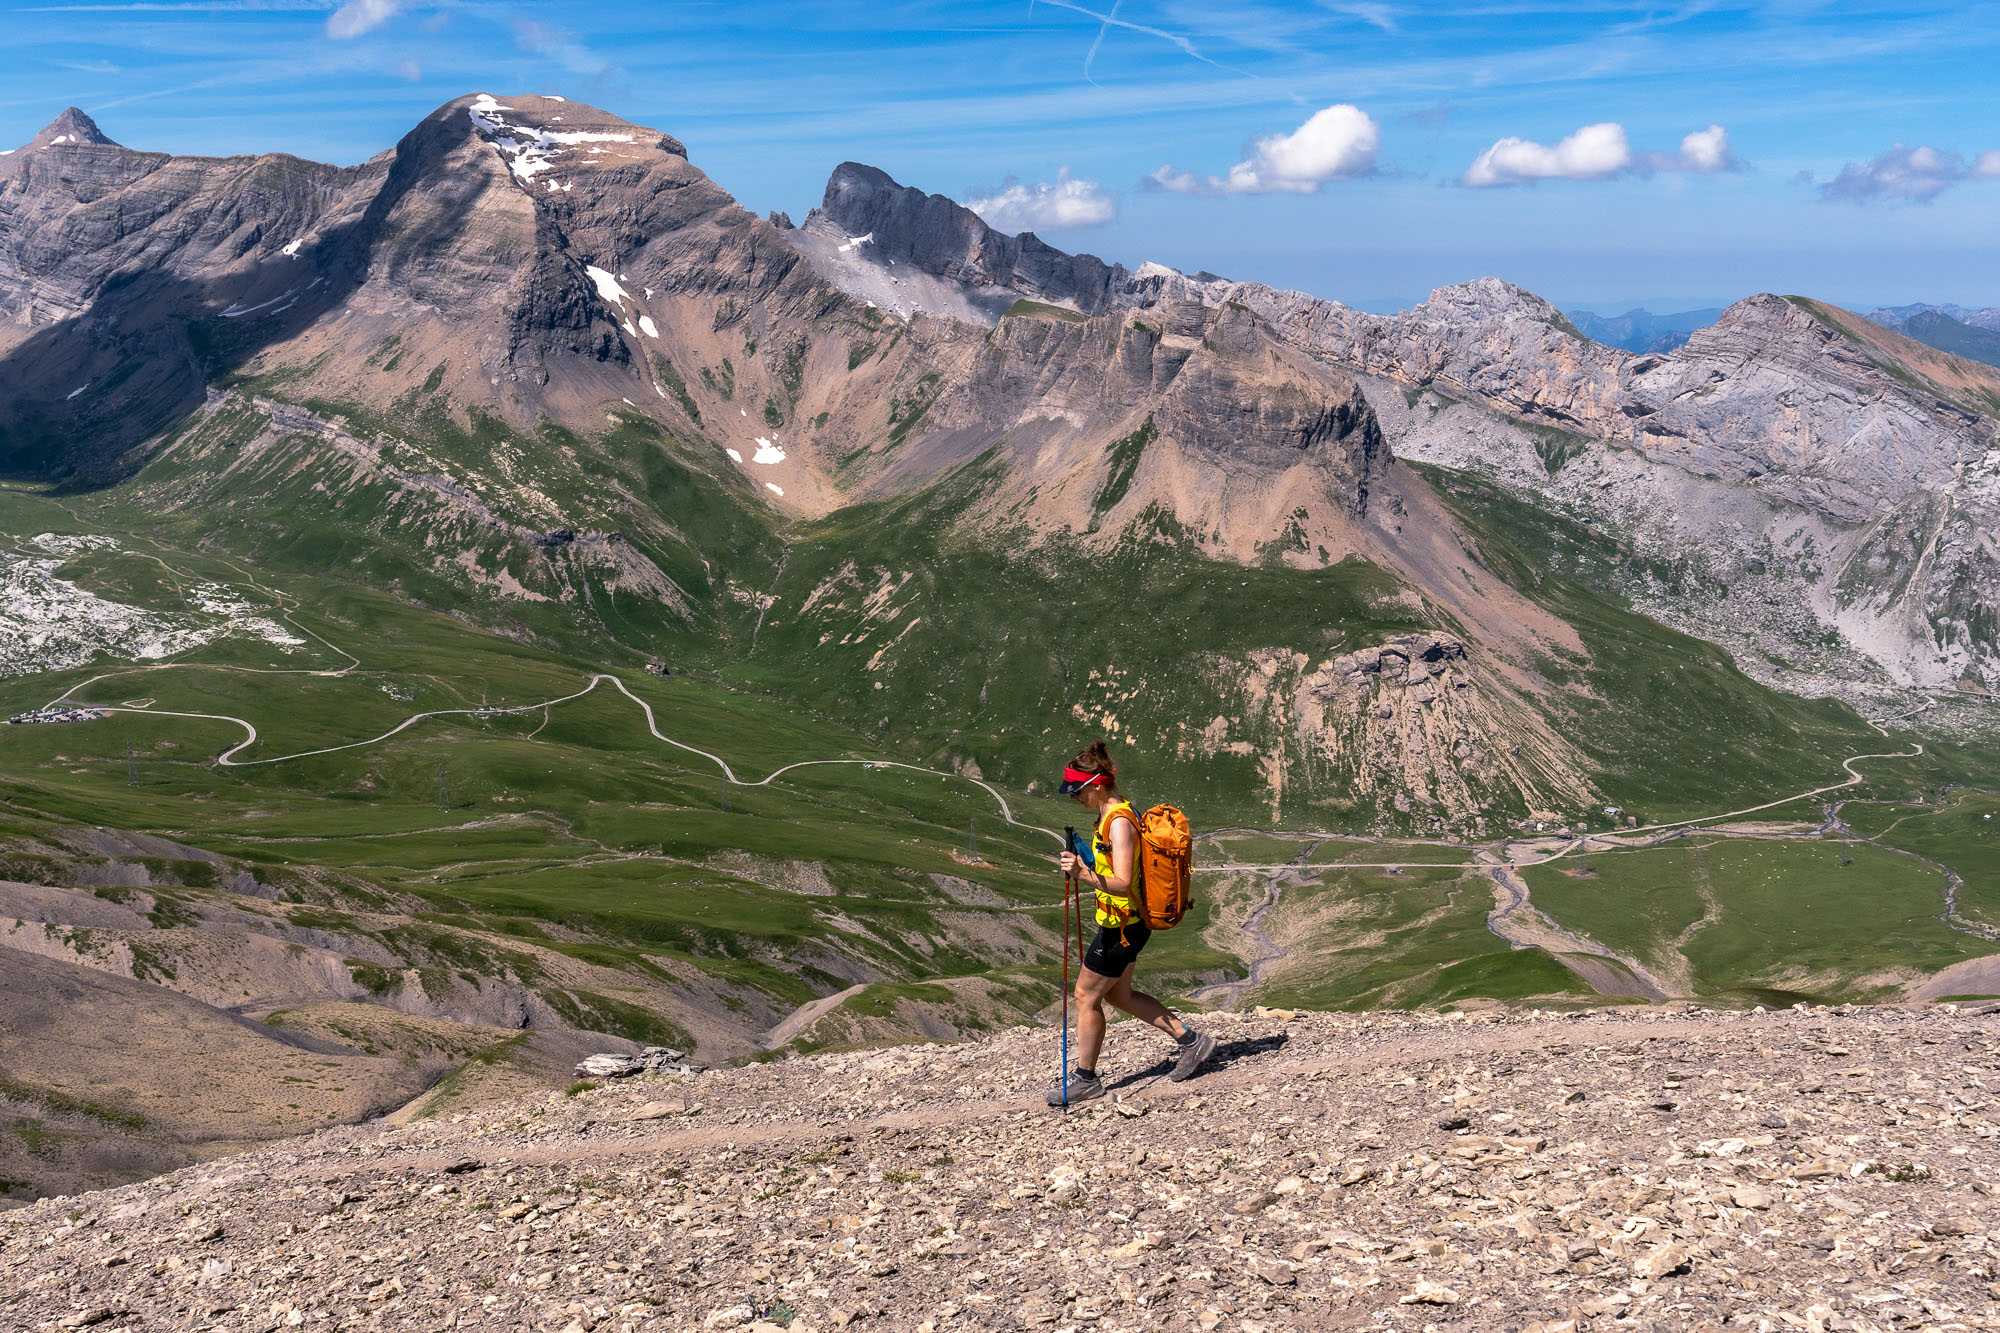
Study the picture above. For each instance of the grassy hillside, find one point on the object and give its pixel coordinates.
(1769, 921)
(984, 648)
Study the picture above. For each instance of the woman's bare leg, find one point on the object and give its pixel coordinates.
(1142, 1006)
(1091, 991)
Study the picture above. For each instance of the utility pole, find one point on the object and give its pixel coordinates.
(972, 838)
(131, 766)
(443, 793)
(722, 794)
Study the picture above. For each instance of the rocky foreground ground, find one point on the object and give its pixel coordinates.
(1819, 1169)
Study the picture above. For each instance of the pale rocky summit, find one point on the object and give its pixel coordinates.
(1806, 1169)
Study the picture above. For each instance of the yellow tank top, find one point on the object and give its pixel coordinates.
(1115, 910)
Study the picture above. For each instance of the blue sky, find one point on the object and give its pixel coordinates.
(1367, 150)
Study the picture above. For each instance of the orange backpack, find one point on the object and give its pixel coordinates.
(1166, 866)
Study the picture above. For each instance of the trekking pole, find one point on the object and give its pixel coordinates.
(1069, 897)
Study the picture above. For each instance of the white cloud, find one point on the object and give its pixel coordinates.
(1067, 202)
(1913, 175)
(1707, 151)
(1594, 153)
(358, 16)
(1335, 143)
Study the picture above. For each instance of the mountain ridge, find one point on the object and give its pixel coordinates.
(342, 329)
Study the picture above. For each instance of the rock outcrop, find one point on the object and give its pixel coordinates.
(1407, 725)
(1196, 412)
(867, 216)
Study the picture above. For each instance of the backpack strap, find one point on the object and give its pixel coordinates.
(1133, 889)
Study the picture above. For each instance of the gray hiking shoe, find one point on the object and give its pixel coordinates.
(1081, 1089)
(1193, 1055)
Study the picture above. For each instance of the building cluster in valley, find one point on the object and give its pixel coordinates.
(60, 713)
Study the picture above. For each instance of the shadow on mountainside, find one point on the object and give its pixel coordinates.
(79, 397)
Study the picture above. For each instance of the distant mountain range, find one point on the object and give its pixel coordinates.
(1642, 330)
(1960, 330)
(1895, 316)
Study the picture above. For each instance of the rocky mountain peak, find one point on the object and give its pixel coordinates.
(73, 126)
(1490, 299)
(867, 221)
(540, 134)
(1764, 309)
(857, 180)
(1814, 334)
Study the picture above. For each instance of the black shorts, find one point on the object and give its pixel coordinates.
(1107, 957)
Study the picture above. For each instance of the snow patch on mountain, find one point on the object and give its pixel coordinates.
(529, 149)
(238, 311)
(607, 284)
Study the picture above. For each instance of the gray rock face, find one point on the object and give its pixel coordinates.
(1240, 397)
(1214, 384)
(1487, 337)
(946, 239)
(1773, 395)
(649, 1060)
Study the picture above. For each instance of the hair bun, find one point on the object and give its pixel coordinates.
(1096, 758)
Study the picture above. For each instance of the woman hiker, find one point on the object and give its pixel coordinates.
(1092, 780)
